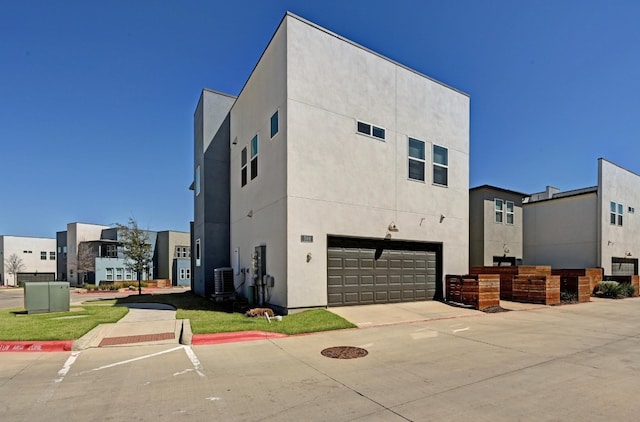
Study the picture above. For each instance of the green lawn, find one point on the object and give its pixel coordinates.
(205, 316)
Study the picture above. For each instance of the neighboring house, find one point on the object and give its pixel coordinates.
(36, 258)
(590, 227)
(336, 177)
(97, 258)
(495, 226)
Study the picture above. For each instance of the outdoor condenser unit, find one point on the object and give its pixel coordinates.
(223, 281)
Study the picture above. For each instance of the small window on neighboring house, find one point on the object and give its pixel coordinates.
(416, 159)
(52, 256)
(510, 211)
(197, 252)
(197, 180)
(109, 274)
(182, 273)
(254, 157)
(127, 274)
(118, 273)
(188, 273)
(440, 165)
(370, 130)
(243, 166)
(43, 255)
(275, 124)
(499, 210)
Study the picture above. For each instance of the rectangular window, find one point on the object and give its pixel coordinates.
(243, 166)
(52, 256)
(274, 124)
(197, 180)
(182, 273)
(371, 130)
(109, 274)
(416, 159)
(631, 210)
(499, 210)
(440, 165)
(112, 251)
(118, 273)
(127, 274)
(615, 214)
(197, 252)
(43, 255)
(188, 273)
(254, 157)
(59, 249)
(510, 211)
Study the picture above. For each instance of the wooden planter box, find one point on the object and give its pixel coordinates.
(481, 292)
(537, 289)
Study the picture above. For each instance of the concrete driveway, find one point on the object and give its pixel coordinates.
(562, 363)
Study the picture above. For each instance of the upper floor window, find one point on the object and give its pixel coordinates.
(43, 255)
(254, 157)
(275, 124)
(498, 205)
(243, 166)
(52, 256)
(416, 159)
(371, 130)
(510, 211)
(615, 215)
(197, 180)
(109, 274)
(182, 252)
(440, 165)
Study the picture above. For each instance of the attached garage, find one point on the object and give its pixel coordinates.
(368, 271)
(624, 266)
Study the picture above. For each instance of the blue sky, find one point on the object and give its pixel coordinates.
(97, 98)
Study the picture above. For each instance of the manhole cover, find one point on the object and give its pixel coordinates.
(344, 352)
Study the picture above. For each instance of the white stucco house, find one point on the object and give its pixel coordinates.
(336, 177)
(591, 227)
(34, 258)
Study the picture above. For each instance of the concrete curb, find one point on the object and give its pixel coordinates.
(186, 335)
(36, 346)
(235, 337)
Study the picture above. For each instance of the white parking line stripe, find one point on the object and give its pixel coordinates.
(66, 367)
(194, 360)
(133, 360)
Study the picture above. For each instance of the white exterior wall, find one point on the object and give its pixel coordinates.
(265, 196)
(31, 260)
(344, 183)
(76, 233)
(562, 232)
(621, 186)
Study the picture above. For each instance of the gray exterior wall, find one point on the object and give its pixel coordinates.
(319, 177)
(211, 204)
(488, 238)
(61, 253)
(164, 260)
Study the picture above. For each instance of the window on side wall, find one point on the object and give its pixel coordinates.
(275, 124)
(109, 274)
(440, 166)
(254, 157)
(615, 213)
(43, 255)
(510, 211)
(416, 159)
(371, 130)
(243, 166)
(498, 205)
(197, 252)
(197, 180)
(52, 256)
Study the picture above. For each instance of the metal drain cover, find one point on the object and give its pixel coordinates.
(344, 352)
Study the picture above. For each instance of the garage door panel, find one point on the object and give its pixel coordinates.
(398, 275)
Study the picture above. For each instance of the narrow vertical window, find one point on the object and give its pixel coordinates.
(243, 166)
(109, 274)
(182, 273)
(118, 273)
(43, 255)
(440, 165)
(197, 252)
(416, 159)
(499, 210)
(612, 215)
(510, 211)
(52, 256)
(275, 124)
(620, 210)
(197, 180)
(254, 157)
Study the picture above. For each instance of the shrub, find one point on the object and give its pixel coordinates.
(568, 297)
(627, 290)
(609, 289)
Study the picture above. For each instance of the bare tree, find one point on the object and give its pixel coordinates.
(135, 248)
(14, 265)
(86, 260)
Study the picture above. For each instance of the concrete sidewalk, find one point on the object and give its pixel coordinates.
(145, 324)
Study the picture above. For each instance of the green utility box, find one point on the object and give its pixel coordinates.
(42, 297)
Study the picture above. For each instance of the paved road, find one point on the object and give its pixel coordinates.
(11, 298)
(574, 362)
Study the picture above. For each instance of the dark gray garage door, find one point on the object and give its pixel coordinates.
(624, 266)
(380, 272)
